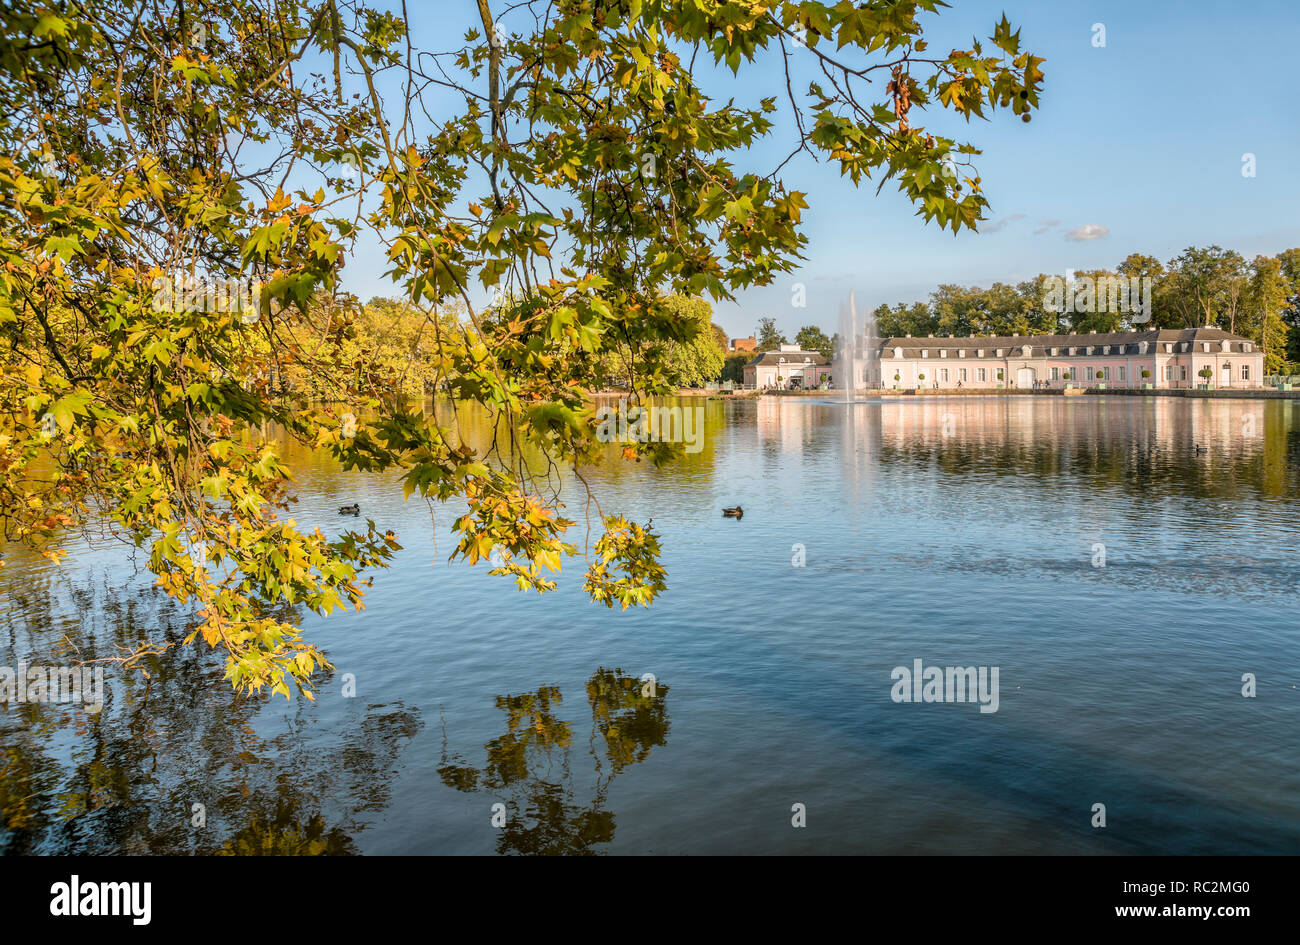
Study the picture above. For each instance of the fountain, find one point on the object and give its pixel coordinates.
(857, 355)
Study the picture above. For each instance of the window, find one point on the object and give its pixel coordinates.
(1089, 375)
(1056, 373)
(943, 375)
(925, 352)
(981, 375)
(1184, 370)
(1101, 373)
(1121, 373)
(1169, 372)
(961, 353)
(961, 375)
(943, 352)
(1245, 372)
(979, 353)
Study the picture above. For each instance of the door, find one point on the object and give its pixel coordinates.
(1227, 376)
(1025, 377)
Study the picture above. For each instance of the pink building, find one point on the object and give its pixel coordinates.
(1172, 358)
(787, 368)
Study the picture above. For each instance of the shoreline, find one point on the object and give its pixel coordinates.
(1247, 393)
(1242, 393)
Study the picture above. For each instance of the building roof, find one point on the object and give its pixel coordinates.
(790, 357)
(1120, 342)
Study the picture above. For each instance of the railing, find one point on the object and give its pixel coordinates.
(1273, 380)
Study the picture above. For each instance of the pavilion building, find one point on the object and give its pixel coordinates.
(1171, 358)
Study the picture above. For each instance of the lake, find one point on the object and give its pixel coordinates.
(1119, 581)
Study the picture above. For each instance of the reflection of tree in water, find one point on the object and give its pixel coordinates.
(530, 767)
(123, 781)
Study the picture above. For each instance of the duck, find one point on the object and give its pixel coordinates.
(353, 509)
(737, 512)
(1201, 449)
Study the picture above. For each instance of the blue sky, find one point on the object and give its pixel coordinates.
(1143, 137)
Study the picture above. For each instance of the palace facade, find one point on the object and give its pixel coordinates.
(1171, 358)
(789, 367)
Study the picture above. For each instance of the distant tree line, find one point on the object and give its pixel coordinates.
(1258, 299)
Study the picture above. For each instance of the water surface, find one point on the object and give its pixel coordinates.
(960, 531)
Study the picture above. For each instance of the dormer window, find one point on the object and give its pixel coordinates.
(1227, 346)
(1245, 348)
(943, 352)
(999, 352)
(961, 353)
(1169, 348)
(1026, 352)
(979, 353)
(1052, 352)
(1205, 346)
(898, 352)
(925, 352)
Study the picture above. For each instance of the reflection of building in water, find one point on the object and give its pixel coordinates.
(1172, 359)
(781, 422)
(1169, 424)
(822, 432)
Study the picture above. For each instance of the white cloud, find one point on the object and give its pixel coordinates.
(1002, 224)
(1089, 231)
